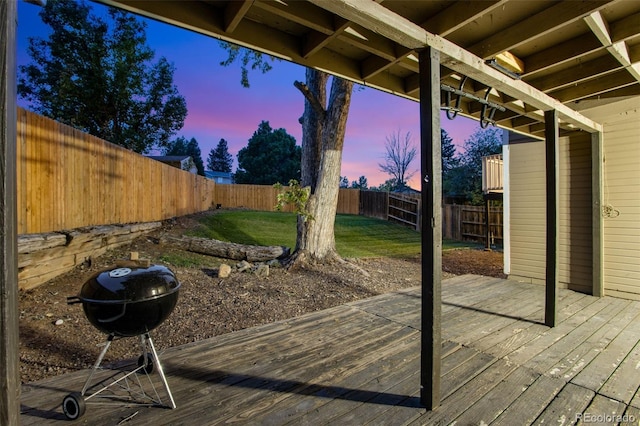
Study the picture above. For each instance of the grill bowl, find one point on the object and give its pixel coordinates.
(129, 301)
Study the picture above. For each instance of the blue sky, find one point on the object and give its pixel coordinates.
(219, 107)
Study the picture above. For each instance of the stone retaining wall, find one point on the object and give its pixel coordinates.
(42, 257)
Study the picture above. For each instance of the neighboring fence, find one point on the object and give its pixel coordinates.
(374, 204)
(263, 197)
(68, 179)
(404, 209)
(466, 223)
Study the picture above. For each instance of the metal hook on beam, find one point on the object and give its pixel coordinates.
(485, 119)
(452, 112)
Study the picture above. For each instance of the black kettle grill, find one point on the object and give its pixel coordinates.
(127, 300)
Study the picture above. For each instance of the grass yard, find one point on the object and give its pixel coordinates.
(356, 236)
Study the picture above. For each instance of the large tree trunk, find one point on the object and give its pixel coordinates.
(323, 133)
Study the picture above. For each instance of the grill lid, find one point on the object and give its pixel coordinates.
(129, 284)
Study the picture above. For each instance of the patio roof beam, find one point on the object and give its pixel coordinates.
(370, 14)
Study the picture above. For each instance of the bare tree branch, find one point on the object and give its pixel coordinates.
(315, 104)
(398, 157)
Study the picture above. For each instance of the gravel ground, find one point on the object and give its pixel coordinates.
(56, 338)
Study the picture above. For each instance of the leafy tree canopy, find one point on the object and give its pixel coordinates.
(248, 59)
(465, 178)
(271, 156)
(219, 159)
(97, 75)
(181, 146)
(344, 182)
(389, 185)
(361, 183)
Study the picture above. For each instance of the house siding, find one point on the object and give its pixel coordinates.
(527, 220)
(528, 223)
(621, 151)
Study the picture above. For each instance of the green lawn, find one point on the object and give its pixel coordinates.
(356, 236)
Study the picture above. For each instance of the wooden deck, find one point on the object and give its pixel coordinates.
(359, 364)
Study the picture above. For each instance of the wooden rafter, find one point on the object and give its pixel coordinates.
(316, 41)
(561, 53)
(579, 73)
(458, 15)
(234, 13)
(618, 49)
(410, 35)
(559, 14)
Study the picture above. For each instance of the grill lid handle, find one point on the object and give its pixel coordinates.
(73, 300)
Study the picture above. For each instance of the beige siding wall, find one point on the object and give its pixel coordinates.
(528, 223)
(575, 233)
(622, 193)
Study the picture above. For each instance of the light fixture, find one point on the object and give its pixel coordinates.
(493, 63)
(508, 64)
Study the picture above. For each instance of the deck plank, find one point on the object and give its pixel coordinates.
(507, 391)
(563, 409)
(530, 403)
(359, 363)
(580, 333)
(598, 371)
(584, 353)
(602, 411)
(622, 385)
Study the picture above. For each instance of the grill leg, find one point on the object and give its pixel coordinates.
(160, 370)
(97, 364)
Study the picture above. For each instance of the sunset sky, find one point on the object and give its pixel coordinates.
(219, 107)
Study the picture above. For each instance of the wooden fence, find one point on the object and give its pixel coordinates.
(374, 204)
(467, 223)
(404, 209)
(264, 198)
(68, 179)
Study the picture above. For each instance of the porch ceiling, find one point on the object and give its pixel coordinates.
(567, 52)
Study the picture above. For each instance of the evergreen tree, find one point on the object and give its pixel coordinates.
(361, 183)
(448, 153)
(271, 156)
(97, 75)
(219, 159)
(181, 146)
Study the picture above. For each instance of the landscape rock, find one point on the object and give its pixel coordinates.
(275, 263)
(224, 271)
(262, 270)
(243, 266)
